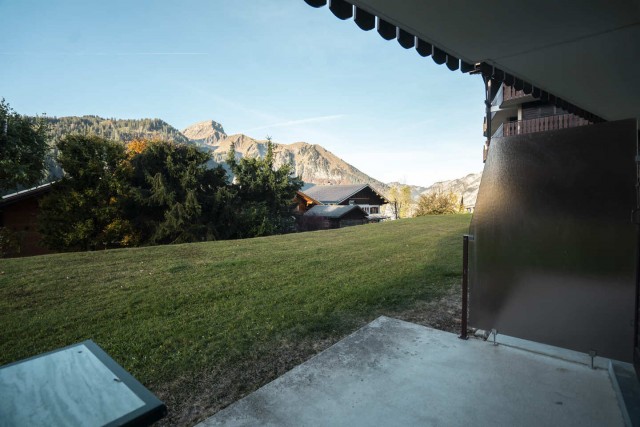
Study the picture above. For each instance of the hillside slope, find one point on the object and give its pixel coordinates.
(116, 129)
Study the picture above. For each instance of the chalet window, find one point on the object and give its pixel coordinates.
(352, 202)
(374, 210)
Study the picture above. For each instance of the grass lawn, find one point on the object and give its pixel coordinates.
(202, 324)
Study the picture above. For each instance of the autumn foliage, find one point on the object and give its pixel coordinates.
(438, 203)
(135, 147)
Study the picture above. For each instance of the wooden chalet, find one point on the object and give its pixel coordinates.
(19, 215)
(361, 195)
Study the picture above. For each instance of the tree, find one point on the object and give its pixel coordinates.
(400, 200)
(176, 197)
(85, 209)
(264, 194)
(437, 203)
(23, 149)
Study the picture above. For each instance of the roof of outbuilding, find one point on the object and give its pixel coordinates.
(9, 199)
(332, 211)
(333, 193)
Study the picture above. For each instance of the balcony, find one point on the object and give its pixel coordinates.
(509, 93)
(541, 124)
(398, 373)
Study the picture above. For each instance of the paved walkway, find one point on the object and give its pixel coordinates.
(395, 373)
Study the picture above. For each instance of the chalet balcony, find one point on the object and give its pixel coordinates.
(509, 93)
(540, 124)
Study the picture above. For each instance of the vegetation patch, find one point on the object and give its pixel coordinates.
(202, 324)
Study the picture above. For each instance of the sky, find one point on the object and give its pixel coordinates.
(259, 67)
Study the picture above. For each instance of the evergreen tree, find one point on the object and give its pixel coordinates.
(23, 149)
(84, 210)
(176, 197)
(264, 193)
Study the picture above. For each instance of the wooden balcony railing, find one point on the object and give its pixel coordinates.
(509, 92)
(541, 124)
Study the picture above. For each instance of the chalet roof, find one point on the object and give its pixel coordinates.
(601, 40)
(307, 198)
(333, 211)
(329, 194)
(333, 193)
(25, 194)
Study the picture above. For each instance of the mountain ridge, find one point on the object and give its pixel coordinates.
(467, 186)
(313, 163)
(123, 130)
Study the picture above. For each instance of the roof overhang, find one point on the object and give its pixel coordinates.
(308, 199)
(586, 53)
(30, 193)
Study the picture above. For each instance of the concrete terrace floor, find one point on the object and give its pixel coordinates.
(396, 373)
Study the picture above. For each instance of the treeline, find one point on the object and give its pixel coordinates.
(158, 192)
(124, 130)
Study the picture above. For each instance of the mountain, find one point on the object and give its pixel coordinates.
(207, 132)
(311, 162)
(117, 129)
(416, 190)
(467, 186)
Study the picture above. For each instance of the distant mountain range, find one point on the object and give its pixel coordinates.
(311, 162)
(467, 186)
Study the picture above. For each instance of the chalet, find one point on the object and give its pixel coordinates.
(514, 112)
(361, 195)
(19, 216)
(334, 216)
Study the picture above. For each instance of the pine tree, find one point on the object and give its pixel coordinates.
(264, 194)
(176, 197)
(23, 149)
(84, 210)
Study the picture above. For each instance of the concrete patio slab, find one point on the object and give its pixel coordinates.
(397, 373)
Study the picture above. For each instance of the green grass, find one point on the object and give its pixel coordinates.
(167, 312)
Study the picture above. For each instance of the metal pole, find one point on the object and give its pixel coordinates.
(465, 286)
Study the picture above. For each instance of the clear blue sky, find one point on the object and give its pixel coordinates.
(259, 67)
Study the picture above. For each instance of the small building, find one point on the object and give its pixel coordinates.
(333, 216)
(19, 216)
(361, 195)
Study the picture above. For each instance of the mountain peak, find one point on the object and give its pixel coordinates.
(310, 162)
(206, 132)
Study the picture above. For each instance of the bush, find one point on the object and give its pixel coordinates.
(438, 203)
(9, 242)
